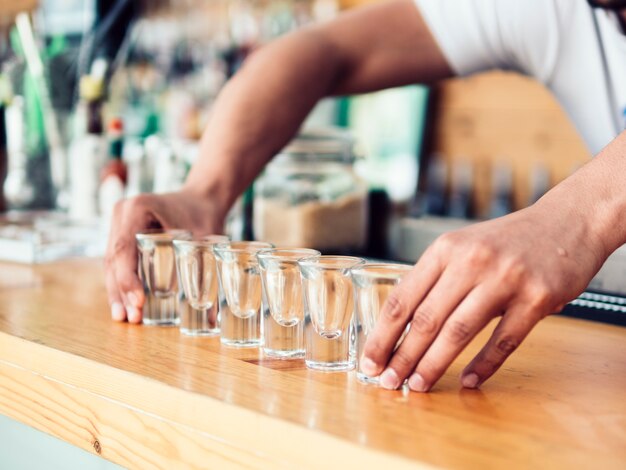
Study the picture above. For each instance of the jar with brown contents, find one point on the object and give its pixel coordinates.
(310, 196)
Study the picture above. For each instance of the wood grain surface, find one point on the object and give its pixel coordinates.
(147, 397)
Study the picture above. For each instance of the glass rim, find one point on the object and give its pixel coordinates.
(273, 253)
(395, 270)
(249, 246)
(331, 261)
(164, 235)
(204, 242)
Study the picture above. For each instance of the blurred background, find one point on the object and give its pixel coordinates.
(101, 100)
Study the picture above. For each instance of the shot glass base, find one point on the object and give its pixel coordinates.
(203, 333)
(330, 366)
(284, 354)
(161, 321)
(235, 343)
(361, 377)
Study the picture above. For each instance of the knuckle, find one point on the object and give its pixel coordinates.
(480, 253)
(394, 308)
(446, 241)
(486, 366)
(120, 245)
(505, 345)
(141, 202)
(457, 331)
(374, 349)
(108, 260)
(540, 296)
(424, 320)
(403, 360)
(515, 269)
(429, 369)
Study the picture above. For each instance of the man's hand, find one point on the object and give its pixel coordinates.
(182, 210)
(521, 267)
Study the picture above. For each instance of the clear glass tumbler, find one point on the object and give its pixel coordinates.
(239, 292)
(372, 285)
(329, 339)
(157, 271)
(283, 307)
(197, 277)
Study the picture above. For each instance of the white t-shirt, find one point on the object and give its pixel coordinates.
(554, 41)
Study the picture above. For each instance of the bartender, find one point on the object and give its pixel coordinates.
(521, 267)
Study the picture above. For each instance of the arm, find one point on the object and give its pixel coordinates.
(260, 109)
(521, 267)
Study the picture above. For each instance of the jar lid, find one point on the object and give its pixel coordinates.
(323, 142)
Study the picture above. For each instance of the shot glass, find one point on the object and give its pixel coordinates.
(239, 291)
(157, 271)
(283, 307)
(372, 285)
(197, 278)
(329, 339)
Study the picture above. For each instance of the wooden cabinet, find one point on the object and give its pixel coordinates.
(500, 116)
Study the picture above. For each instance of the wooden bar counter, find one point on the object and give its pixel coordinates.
(147, 397)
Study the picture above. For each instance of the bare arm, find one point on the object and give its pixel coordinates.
(521, 267)
(259, 110)
(377, 47)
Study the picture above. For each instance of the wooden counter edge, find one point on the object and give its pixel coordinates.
(141, 422)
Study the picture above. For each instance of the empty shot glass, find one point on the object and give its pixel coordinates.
(197, 278)
(239, 291)
(283, 307)
(329, 339)
(372, 285)
(157, 271)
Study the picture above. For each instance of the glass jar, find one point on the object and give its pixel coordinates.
(310, 196)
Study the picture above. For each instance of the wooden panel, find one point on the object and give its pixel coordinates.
(505, 117)
(498, 116)
(10, 8)
(136, 433)
(150, 396)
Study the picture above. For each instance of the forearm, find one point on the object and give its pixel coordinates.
(259, 110)
(262, 107)
(595, 198)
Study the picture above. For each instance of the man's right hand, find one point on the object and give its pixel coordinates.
(180, 210)
(246, 128)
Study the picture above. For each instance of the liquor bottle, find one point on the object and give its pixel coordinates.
(87, 150)
(114, 175)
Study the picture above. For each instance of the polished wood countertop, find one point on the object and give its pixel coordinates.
(149, 397)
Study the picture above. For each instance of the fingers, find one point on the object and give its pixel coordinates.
(482, 304)
(396, 312)
(508, 335)
(128, 283)
(426, 323)
(118, 313)
(123, 285)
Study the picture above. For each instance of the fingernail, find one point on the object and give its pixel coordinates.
(368, 367)
(117, 311)
(133, 315)
(133, 298)
(417, 384)
(389, 379)
(470, 380)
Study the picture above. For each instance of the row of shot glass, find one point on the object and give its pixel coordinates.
(292, 302)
